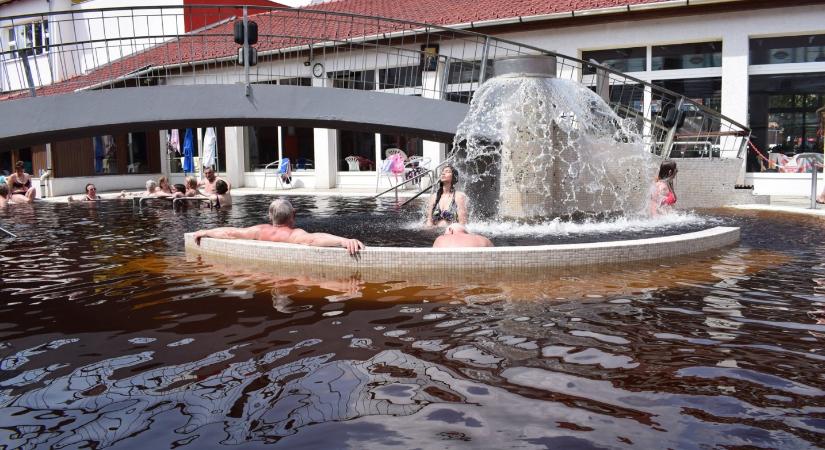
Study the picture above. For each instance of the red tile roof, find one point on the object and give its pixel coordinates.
(201, 46)
(451, 12)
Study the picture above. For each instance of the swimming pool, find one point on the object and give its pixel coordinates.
(111, 336)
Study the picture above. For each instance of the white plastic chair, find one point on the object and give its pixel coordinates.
(282, 169)
(414, 163)
(352, 162)
(385, 169)
(393, 151)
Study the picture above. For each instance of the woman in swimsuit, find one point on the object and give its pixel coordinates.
(20, 185)
(447, 205)
(91, 195)
(221, 197)
(164, 186)
(662, 195)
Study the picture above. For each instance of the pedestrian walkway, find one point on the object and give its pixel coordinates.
(789, 204)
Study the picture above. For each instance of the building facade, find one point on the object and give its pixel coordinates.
(757, 63)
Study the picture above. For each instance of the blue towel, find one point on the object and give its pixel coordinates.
(188, 151)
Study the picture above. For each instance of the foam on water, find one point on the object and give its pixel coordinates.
(556, 227)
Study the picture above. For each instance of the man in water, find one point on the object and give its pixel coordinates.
(209, 181)
(282, 229)
(457, 236)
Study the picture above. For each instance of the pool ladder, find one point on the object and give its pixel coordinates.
(430, 173)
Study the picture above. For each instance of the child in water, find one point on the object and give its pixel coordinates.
(662, 195)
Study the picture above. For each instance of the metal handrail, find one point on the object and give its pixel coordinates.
(166, 55)
(429, 172)
(8, 232)
(198, 199)
(143, 199)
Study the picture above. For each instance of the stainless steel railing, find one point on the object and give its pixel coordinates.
(142, 47)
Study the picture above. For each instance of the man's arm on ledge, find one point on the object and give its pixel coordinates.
(228, 233)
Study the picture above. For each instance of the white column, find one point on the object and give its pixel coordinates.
(434, 83)
(735, 80)
(436, 151)
(326, 148)
(326, 151)
(235, 140)
(164, 155)
(378, 156)
(281, 143)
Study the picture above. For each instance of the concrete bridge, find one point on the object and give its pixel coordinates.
(36, 120)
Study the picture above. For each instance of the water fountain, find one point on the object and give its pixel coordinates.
(532, 147)
(536, 146)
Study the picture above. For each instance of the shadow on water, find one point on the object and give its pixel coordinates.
(111, 337)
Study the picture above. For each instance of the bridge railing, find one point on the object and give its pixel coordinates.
(93, 49)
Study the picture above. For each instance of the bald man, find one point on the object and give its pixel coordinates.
(457, 236)
(281, 229)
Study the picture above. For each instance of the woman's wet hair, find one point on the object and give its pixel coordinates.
(180, 188)
(221, 187)
(162, 180)
(441, 186)
(87, 187)
(191, 182)
(667, 172)
(19, 165)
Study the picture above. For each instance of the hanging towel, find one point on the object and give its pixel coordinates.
(188, 151)
(210, 147)
(173, 142)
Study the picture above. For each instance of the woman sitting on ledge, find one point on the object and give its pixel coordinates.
(447, 205)
(282, 229)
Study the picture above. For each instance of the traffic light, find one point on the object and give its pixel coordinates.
(239, 34)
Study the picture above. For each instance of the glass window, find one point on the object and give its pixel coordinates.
(359, 145)
(620, 59)
(105, 154)
(412, 146)
(302, 81)
(138, 154)
(31, 35)
(467, 72)
(298, 145)
(396, 77)
(782, 114)
(789, 49)
(263, 147)
(459, 96)
(687, 56)
(348, 79)
(704, 91)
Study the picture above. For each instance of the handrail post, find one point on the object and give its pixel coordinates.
(246, 54)
(671, 134)
(483, 72)
(813, 184)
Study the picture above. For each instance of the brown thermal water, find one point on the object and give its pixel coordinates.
(110, 336)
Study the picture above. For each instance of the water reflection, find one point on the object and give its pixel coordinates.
(111, 337)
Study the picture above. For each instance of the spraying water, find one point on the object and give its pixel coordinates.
(537, 147)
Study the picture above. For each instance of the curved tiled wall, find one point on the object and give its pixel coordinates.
(403, 260)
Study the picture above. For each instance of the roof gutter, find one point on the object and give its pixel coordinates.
(669, 4)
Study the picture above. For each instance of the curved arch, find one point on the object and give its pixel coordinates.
(41, 119)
